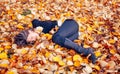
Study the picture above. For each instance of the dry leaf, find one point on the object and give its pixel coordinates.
(98, 53)
(3, 55)
(77, 58)
(56, 59)
(61, 63)
(95, 45)
(77, 63)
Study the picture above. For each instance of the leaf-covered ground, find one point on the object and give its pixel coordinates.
(99, 25)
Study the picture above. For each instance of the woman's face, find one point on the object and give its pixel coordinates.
(32, 36)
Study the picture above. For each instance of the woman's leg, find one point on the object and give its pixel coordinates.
(65, 42)
(68, 28)
(73, 37)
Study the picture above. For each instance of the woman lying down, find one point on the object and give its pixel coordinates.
(64, 36)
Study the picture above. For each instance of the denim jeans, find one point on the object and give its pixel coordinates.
(69, 30)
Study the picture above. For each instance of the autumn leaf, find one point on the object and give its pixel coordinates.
(3, 55)
(4, 65)
(97, 67)
(77, 63)
(112, 51)
(10, 72)
(112, 41)
(98, 53)
(77, 58)
(86, 46)
(7, 47)
(1, 49)
(47, 54)
(56, 59)
(61, 63)
(20, 26)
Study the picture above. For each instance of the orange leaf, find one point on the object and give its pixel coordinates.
(77, 63)
(72, 52)
(71, 68)
(111, 41)
(7, 47)
(20, 26)
(112, 51)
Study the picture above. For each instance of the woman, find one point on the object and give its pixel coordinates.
(64, 36)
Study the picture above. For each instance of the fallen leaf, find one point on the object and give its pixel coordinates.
(56, 59)
(77, 63)
(98, 53)
(3, 55)
(61, 63)
(77, 58)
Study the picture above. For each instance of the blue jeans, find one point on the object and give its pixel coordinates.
(69, 30)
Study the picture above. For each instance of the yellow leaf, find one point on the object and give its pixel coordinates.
(1, 49)
(96, 23)
(97, 53)
(97, 67)
(77, 63)
(3, 55)
(47, 54)
(10, 72)
(61, 63)
(68, 14)
(84, 19)
(56, 59)
(112, 51)
(79, 5)
(82, 29)
(4, 65)
(89, 28)
(24, 51)
(49, 36)
(112, 41)
(25, 67)
(84, 35)
(56, 46)
(30, 25)
(69, 58)
(86, 46)
(99, 32)
(77, 58)
(20, 26)
(7, 47)
(13, 17)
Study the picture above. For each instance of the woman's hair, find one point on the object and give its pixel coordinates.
(21, 38)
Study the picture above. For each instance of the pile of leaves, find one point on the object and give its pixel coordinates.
(99, 26)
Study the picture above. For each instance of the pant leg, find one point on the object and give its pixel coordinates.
(68, 28)
(73, 37)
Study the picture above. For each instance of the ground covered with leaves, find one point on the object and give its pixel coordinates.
(99, 26)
